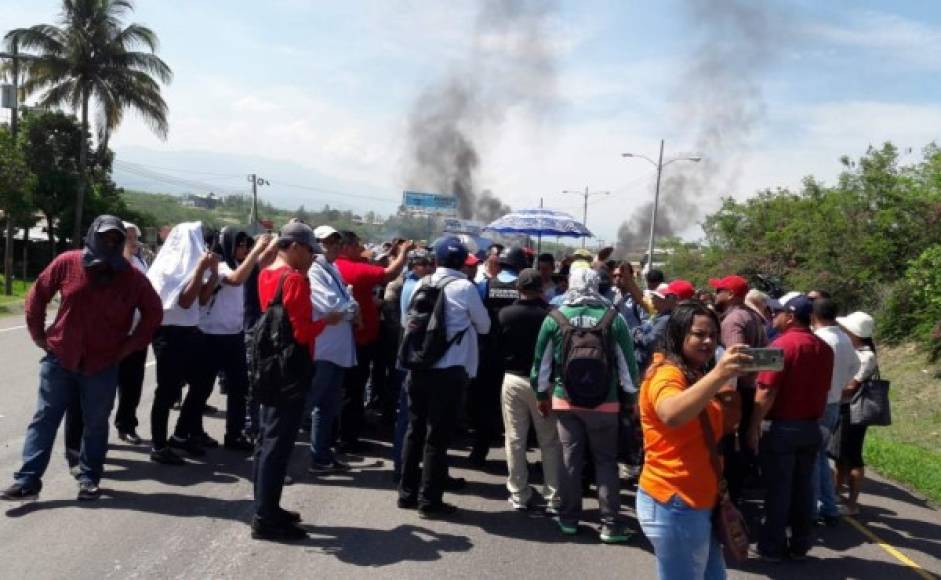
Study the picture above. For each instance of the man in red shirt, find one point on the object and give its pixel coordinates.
(282, 405)
(788, 406)
(99, 292)
(363, 277)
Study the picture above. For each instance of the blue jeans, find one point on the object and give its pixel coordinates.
(824, 491)
(57, 388)
(325, 397)
(682, 539)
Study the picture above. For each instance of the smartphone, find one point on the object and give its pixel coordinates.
(764, 359)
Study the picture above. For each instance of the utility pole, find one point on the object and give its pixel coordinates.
(253, 216)
(586, 194)
(14, 123)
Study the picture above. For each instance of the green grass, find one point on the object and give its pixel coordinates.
(20, 288)
(909, 451)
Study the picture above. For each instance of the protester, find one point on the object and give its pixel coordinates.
(520, 324)
(851, 470)
(363, 277)
(594, 427)
(221, 323)
(178, 274)
(678, 487)
(434, 394)
(762, 304)
(334, 351)
(740, 325)
(491, 263)
(628, 296)
(99, 294)
(845, 366)
(545, 263)
(647, 336)
(792, 401)
(285, 283)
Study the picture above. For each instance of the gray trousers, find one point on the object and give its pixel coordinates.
(581, 432)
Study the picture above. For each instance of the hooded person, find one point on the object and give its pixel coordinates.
(584, 420)
(179, 274)
(99, 293)
(221, 322)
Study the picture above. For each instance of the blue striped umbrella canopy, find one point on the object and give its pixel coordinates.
(539, 222)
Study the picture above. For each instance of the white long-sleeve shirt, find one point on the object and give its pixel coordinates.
(463, 310)
(329, 293)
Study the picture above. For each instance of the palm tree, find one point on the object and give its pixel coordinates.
(92, 58)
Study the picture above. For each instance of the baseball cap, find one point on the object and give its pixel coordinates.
(682, 289)
(801, 305)
(109, 223)
(301, 234)
(529, 280)
(450, 252)
(471, 260)
(778, 305)
(324, 232)
(661, 291)
(734, 284)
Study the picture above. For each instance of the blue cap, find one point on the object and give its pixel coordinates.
(801, 306)
(450, 252)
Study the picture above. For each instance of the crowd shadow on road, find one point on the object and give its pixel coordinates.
(404, 543)
(844, 567)
(217, 466)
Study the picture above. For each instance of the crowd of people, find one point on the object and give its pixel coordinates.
(311, 331)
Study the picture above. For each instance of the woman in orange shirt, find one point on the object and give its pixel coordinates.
(678, 487)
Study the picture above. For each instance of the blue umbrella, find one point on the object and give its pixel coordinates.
(539, 222)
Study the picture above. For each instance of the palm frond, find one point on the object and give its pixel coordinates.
(135, 35)
(149, 64)
(44, 38)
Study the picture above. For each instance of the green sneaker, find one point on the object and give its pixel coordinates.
(568, 529)
(615, 534)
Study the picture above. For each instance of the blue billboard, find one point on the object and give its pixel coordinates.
(437, 203)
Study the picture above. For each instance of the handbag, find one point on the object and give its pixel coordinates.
(727, 522)
(870, 403)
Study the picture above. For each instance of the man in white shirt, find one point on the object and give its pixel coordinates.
(845, 366)
(334, 350)
(434, 394)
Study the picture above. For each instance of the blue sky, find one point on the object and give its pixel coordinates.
(318, 93)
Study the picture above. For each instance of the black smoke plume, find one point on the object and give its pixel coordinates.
(511, 63)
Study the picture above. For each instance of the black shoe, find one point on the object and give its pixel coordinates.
(238, 444)
(454, 483)
(188, 445)
(349, 446)
(441, 510)
(407, 503)
(205, 441)
(289, 516)
(75, 470)
(166, 456)
(130, 437)
(828, 521)
(210, 410)
(335, 466)
(283, 531)
(17, 492)
(88, 491)
(478, 457)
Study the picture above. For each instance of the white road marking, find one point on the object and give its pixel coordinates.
(151, 363)
(12, 328)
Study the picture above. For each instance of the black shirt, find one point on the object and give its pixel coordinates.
(519, 328)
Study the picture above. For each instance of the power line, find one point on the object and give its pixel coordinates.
(175, 170)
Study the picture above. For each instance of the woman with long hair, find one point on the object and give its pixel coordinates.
(850, 469)
(678, 487)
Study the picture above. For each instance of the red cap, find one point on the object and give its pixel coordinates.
(471, 260)
(682, 289)
(734, 284)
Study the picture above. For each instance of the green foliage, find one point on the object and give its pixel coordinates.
(16, 180)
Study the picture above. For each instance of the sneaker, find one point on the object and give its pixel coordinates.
(130, 437)
(614, 533)
(17, 492)
(88, 491)
(520, 505)
(283, 531)
(204, 440)
(166, 456)
(433, 512)
(335, 466)
(552, 510)
(567, 528)
(238, 444)
(188, 445)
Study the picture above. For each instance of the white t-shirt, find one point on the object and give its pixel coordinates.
(225, 311)
(845, 361)
(867, 363)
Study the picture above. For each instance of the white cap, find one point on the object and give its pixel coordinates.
(324, 232)
(130, 226)
(661, 291)
(859, 323)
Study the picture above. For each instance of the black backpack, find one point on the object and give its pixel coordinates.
(425, 340)
(280, 369)
(587, 359)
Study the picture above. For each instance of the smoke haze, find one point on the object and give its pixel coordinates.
(511, 64)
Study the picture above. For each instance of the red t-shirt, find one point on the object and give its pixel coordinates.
(363, 278)
(803, 385)
(295, 295)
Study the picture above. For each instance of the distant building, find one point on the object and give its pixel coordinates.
(210, 201)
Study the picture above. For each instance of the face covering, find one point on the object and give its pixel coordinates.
(97, 254)
(176, 262)
(226, 243)
(583, 289)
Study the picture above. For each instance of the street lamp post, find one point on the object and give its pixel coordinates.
(659, 164)
(585, 194)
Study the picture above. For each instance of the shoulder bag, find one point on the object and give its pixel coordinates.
(727, 522)
(870, 403)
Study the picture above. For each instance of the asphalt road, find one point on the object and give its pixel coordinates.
(158, 521)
